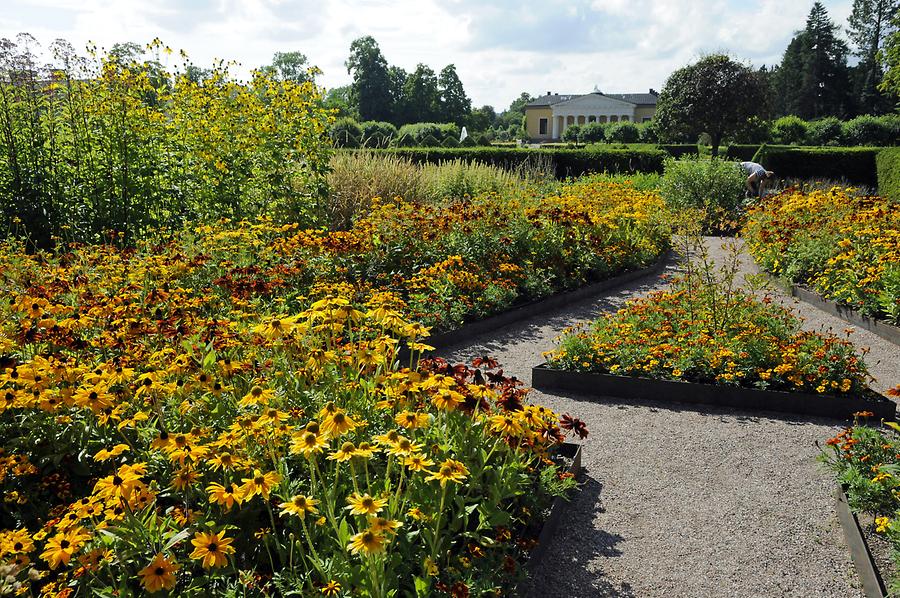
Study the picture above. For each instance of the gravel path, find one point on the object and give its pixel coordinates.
(682, 502)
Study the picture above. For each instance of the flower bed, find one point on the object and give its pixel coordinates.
(224, 414)
(729, 341)
(844, 247)
(865, 459)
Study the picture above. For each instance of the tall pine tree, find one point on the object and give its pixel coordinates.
(870, 25)
(814, 79)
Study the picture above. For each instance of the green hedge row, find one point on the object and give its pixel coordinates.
(854, 164)
(888, 164)
(565, 162)
(747, 152)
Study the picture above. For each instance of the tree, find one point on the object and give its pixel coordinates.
(290, 66)
(371, 88)
(516, 110)
(890, 84)
(869, 25)
(716, 95)
(421, 96)
(398, 78)
(455, 105)
(338, 99)
(481, 119)
(814, 80)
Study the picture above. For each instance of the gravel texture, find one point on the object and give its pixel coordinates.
(680, 501)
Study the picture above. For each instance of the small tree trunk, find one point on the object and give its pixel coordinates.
(716, 142)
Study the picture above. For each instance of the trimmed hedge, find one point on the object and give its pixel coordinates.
(740, 152)
(855, 164)
(566, 162)
(888, 164)
(678, 150)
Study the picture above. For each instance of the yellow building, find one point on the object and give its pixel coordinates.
(547, 116)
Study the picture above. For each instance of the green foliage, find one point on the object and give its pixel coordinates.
(824, 131)
(813, 80)
(346, 132)
(450, 142)
(888, 164)
(712, 186)
(789, 130)
(290, 66)
(92, 145)
(468, 142)
(716, 95)
(853, 164)
(418, 131)
(371, 87)
(455, 106)
(377, 134)
(872, 131)
(648, 132)
(593, 133)
(623, 133)
(680, 150)
(429, 140)
(572, 134)
(869, 26)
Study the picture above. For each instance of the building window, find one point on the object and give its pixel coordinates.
(647, 119)
(543, 126)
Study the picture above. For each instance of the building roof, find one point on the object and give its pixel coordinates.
(639, 99)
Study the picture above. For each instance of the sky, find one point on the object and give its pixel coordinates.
(500, 47)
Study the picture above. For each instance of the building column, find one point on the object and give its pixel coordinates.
(554, 126)
(562, 129)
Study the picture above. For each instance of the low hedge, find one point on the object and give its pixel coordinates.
(566, 162)
(888, 166)
(854, 164)
(679, 150)
(747, 152)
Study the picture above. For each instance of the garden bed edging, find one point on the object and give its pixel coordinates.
(872, 583)
(676, 391)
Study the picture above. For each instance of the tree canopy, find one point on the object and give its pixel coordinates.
(715, 95)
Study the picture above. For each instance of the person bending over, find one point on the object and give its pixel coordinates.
(757, 177)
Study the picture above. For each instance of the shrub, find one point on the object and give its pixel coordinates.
(623, 133)
(738, 152)
(868, 130)
(429, 140)
(679, 150)
(789, 130)
(712, 185)
(855, 165)
(450, 142)
(439, 131)
(825, 131)
(404, 140)
(377, 134)
(593, 133)
(469, 142)
(572, 134)
(888, 163)
(346, 132)
(648, 132)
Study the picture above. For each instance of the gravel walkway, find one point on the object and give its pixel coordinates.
(682, 502)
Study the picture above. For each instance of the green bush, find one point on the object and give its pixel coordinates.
(623, 133)
(825, 131)
(440, 131)
(738, 152)
(789, 130)
(648, 133)
(450, 142)
(572, 133)
(593, 133)
(853, 164)
(404, 140)
(346, 132)
(468, 142)
(868, 130)
(712, 185)
(888, 165)
(679, 150)
(429, 141)
(562, 162)
(377, 134)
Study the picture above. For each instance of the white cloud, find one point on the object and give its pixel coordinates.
(500, 48)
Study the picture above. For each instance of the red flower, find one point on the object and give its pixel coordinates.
(574, 425)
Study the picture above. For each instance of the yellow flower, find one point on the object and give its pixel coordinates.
(345, 453)
(227, 498)
(380, 525)
(450, 471)
(257, 396)
(308, 444)
(404, 447)
(259, 483)
(338, 423)
(367, 542)
(212, 549)
(417, 462)
(882, 524)
(332, 588)
(103, 454)
(412, 419)
(159, 574)
(417, 514)
(61, 547)
(363, 504)
(506, 424)
(300, 505)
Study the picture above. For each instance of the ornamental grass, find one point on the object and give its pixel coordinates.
(842, 245)
(221, 416)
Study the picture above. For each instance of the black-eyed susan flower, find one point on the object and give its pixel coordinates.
(225, 497)
(366, 542)
(338, 423)
(259, 483)
(211, 549)
(450, 471)
(159, 574)
(412, 419)
(381, 525)
(300, 505)
(418, 462)
(332, 588)
(363, 504)
(345, 453)
(308, 443)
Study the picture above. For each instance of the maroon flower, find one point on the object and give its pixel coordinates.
(574, 425)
